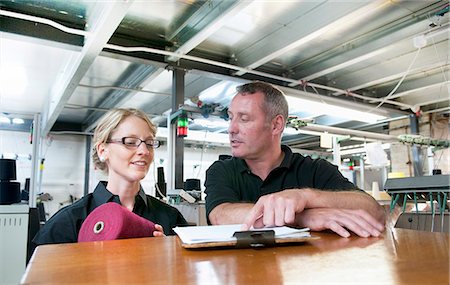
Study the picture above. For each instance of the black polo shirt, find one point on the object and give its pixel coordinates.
(231, 181)
(63, 227)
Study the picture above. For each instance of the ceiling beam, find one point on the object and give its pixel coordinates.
(102, 22)
(366, 46)
(415, 91)
(135, 77)
(209, 18)
(434, 101)
(373, 79)
(296, 33)
(424, 60)
(363, 53)
(40, 28)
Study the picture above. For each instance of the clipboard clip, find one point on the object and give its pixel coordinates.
(246, 239)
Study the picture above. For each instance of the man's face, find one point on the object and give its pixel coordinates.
(249, 132)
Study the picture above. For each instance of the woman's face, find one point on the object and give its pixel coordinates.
(128, 162)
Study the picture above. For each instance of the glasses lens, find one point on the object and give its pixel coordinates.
(131, 141)
(152, 143)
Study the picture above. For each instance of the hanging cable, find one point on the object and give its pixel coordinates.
(398, 84)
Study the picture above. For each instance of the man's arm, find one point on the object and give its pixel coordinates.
(352, 210)
(356, 200)
(230, 213)
(347, 211)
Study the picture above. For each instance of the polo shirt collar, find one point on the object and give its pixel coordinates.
(286, 163)
(102, 195)
(287, 160)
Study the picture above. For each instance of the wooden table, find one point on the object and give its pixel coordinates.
(400, 256)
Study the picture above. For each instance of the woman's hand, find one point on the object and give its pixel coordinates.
(159, 232)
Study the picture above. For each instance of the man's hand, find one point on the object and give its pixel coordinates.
(340, 221)
(277, 209)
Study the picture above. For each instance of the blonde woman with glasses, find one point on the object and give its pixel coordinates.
(124, 144)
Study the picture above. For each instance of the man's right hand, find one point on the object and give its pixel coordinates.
(277, 209)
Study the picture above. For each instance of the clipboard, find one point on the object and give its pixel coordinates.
(234, 238)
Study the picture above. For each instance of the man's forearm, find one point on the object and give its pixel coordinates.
(345, 200)
(230, 213)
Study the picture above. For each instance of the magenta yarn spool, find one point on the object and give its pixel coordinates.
(112, 221)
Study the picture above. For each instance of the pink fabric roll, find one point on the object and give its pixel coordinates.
(112, 221)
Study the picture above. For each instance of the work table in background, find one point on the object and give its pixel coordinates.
(400, 256)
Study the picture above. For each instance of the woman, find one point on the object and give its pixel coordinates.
(124, 143)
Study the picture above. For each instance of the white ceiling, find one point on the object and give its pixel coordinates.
(72, 60)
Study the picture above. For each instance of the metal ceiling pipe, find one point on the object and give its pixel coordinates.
(346, 132)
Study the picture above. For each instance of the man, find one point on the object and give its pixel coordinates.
(265, 184)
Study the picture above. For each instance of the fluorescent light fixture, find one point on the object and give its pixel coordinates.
(220, 93)
(18, 121)
(292, 131)
(298, 105)
(212, 123)
(359, 149)
(9, 155)
(199, 137)
(5, 120)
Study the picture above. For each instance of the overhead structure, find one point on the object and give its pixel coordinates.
(378, 57)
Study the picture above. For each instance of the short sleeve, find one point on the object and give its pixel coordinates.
(328, 177)
(59, 229)
(219, 186)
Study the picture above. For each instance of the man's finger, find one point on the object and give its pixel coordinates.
(255, 213)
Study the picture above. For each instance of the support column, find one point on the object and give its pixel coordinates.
(87, 164)
(362, 172)
(35, 160)
(416, 154)
(336, 152)
(430, 157)
(175, 144)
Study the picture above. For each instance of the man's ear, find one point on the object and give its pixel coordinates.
(278, 124)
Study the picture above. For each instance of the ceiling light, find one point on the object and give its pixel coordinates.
(18, 121)
(298, 105)
(5, 120)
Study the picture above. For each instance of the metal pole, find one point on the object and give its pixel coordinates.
(417, 156)
(35, 160)
(430, 156)
(336, 152)
(171, 130)
(178, 142)
(87, 165)
(361, 172)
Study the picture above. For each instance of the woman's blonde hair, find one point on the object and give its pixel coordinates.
(109, 123)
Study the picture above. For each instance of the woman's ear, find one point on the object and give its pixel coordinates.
(102, 151)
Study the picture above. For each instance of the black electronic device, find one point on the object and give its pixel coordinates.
(9, 190)
(161, 186)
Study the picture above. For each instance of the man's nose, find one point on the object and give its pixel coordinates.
(232, 128)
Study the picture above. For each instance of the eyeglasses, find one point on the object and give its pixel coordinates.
(135, 142)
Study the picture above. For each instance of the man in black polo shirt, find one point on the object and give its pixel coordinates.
(265, 184)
